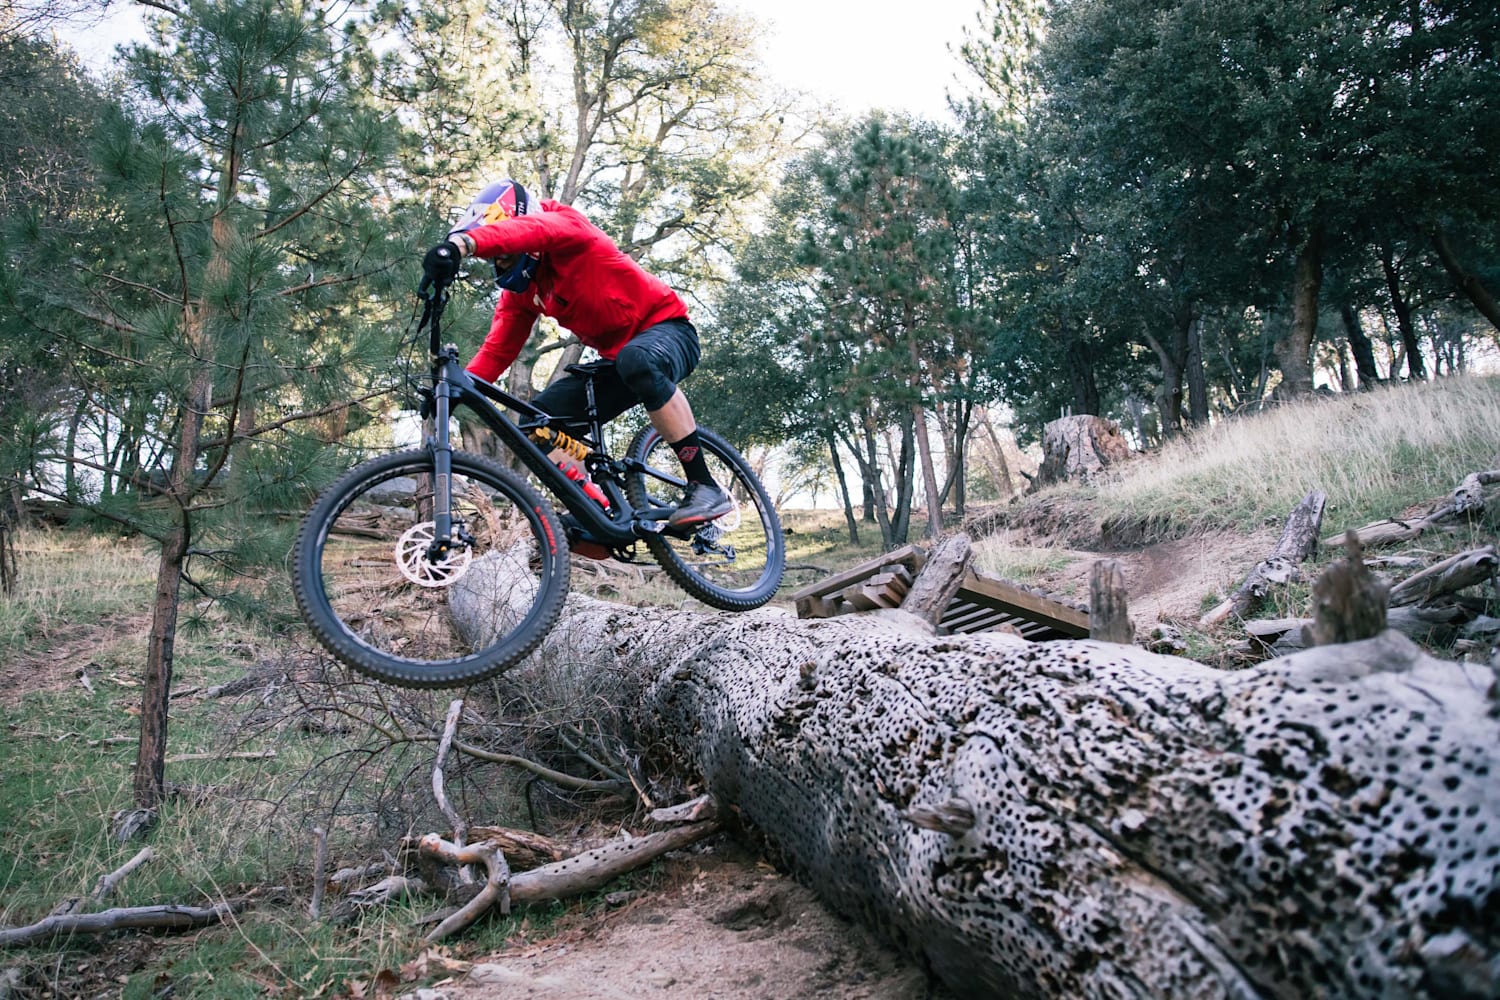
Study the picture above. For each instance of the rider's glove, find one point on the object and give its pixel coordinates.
(439, 267)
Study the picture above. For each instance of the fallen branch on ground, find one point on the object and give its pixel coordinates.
(168, 917)
(1299, 539)
(1447, 577)
(1465, 502)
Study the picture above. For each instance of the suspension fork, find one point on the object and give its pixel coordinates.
(441, 449)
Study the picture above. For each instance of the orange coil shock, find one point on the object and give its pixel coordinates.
(559, 440)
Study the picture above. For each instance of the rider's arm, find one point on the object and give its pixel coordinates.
(508, 333)
(558, 229)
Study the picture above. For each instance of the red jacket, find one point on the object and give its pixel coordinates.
(584, 282)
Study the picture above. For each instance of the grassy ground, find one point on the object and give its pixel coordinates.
(234, 822)
(1374, 454)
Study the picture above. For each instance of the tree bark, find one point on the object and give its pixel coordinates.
(1074, 448)
(1197, 378)
(1299, 539)
(838, 471)
(929, 473)
(1410, 347)
(1467, 281)
(1360, 346)
(1294, 351)
(1083, 819)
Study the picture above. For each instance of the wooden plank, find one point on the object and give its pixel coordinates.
(1002, 596)
(963, 617)
(910, 557)
(883, 590)
(814, 606)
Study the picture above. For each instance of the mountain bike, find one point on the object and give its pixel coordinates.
(435, 567)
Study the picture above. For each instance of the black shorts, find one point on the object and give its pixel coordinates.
(646, 371)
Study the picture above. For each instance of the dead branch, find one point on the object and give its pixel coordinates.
(1299, 539)
(450, 727)
(179, 758)
(578, 874)
(701, 808)
(387, 890)
(170, 916)
(1464, 503)
(496, 881)
(107, 883)
(592, 869)
(1449, 576)
(320, 871)
(523, 849)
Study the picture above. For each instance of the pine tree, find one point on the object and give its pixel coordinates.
(226, 292)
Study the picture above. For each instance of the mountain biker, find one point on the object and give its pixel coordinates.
(550, 260)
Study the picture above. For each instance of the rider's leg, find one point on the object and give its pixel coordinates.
(652, 364)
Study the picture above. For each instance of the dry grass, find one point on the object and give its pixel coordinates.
(1374, 454)
(68, 578)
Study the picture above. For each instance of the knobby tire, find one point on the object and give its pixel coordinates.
(364, 610)
(748, 580)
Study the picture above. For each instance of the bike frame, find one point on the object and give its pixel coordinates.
(453, 386)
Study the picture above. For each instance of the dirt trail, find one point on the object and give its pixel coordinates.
(726, 925)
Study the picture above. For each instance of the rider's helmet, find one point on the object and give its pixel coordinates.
(497, 202)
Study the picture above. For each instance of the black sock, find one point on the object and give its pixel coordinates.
(694, 465)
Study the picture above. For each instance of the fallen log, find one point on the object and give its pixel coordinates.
(1299, 539)
(1447, 577)
(1080, 818)
(166, 917)
(1465, 503)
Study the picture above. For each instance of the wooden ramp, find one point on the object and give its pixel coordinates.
(982, 602)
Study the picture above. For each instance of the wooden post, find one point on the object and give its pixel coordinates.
(940, 578)
(1109, 618)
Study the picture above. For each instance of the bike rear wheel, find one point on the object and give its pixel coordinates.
(734, 562)
(374, 598)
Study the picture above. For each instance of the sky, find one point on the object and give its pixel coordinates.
(857, 56)
(860, 56)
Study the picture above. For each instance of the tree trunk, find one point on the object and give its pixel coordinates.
(838, 471)
(1169, 392)
(1197, 378)
(929, 472)
(1294, 351)
(1410, 347)
(1002, 467)
(1081, 372)
(1467, 281)
(1074, 448)
(1359, 344)
(1083, 819)
(149, 784)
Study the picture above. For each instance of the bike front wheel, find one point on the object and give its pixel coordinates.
(371, 590)
(734, 562)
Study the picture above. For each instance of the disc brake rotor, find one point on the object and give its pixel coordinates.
(412, 561)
